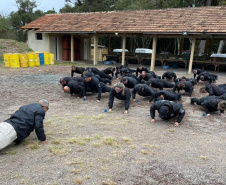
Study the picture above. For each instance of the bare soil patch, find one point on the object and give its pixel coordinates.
(88, 146)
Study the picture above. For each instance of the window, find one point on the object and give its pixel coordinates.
(38, 36)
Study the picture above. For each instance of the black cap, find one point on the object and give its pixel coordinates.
(88, 74)
(163, 111)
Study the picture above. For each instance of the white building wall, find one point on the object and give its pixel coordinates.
(38, 45)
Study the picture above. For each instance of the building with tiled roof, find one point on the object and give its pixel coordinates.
(49, 32)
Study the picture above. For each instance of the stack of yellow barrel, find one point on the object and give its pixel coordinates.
(17, 60)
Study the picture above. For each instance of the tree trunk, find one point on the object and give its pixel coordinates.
(221, 46)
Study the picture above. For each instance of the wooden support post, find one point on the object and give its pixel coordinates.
(50, 43)
(72, 47)
(181, 45)
(210, 48)
(192, 54)
(95, 58)
(154, 44)
(131, 44)
(123, 48)
(206, 47)
(109, 44)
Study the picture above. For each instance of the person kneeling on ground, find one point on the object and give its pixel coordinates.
(120, 92)
(214, 105)
(167, 109)
(23, 122)
(94, 85)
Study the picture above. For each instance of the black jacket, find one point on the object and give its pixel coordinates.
(213, 90)
(211, 105)
(169, 75)
(76, 88)
(188, 87)
(201, 100)
(198, 72)
(192, 80)
(104, 75)
(94, 85)
(140, 70)
(125, 97)
(147, 91)
(171, 96)
(131, 82)
(159, 83)
(77, 78)
(207, 77)
(27, 119)
(146, 78)
(93, 69)
(174, 109)
(108, 71)
(78, 70)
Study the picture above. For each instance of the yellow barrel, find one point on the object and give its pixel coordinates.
(6, 59)
(31, 59)
(46, 58)
(37, 60)
(51, 58)
(23, 60)
(14, 60)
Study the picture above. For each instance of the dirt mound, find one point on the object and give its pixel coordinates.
(12, 46)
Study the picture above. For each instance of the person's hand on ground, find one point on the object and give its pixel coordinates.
(44, 142)
(153, 120)
(110, 110)
(207, 115)
(222, 114)
(134, 100)
(98, 101)
(176, 124)
(126, 111)
(148, 102)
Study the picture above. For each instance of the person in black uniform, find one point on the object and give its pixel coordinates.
(212, 105)
(197, 72)
(104, 80)
(167, 109)
(94, 70)
(201, 100)
(166, 95)
(129, 82)
(122, 93)
(64, 81)
(143, 90)
(159, 83)
(24, 121)
(183, 78)
(140, 69)
(109, 70)
(185, 85)
(145, 76)
(94, 85)
(213, 90)
(123, 70)
(75, 88)
(204, 76)
(169, 75)
(78, 70)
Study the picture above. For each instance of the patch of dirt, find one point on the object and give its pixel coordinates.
(88, 146)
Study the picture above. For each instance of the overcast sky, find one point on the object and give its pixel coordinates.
(7, 6)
